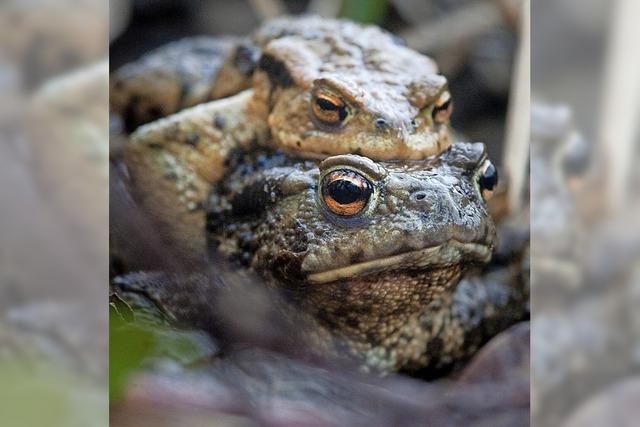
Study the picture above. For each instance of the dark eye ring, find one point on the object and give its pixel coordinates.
(488, 179)
(345, 192)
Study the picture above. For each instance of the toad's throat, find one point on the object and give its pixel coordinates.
(449, 253)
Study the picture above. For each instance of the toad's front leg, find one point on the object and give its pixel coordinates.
(480, 307)
(173, 162)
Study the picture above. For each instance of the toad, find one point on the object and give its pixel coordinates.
(377, 253)
(379, 257)
(316, 87)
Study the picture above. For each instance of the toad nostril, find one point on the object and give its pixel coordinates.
(381, 124)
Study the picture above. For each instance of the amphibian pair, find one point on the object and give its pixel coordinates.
(373, 248)
(317, 87)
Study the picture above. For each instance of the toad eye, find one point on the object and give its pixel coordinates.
(443, 108)
(488, 179)
(345, 192)
(328, 108)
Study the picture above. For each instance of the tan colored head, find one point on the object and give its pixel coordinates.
(329, 87)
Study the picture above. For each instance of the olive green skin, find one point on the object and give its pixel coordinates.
(393, 311)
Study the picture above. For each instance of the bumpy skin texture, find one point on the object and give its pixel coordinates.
(385, 282)
(388, 88)
(173, 162)
(389, 93)
(385, 84)
(173, 77)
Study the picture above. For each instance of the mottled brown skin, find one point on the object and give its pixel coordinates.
(389, 94)
(398, 308)
(173, 162)
(389, 88)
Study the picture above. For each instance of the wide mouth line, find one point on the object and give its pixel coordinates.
(445, 254)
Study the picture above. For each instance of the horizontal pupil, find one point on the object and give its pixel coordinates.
(345, 192)
(327, 105)
(442, 107)
(489, 178)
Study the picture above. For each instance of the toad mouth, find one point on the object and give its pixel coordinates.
(446, 254)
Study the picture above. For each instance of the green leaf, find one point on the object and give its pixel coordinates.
(365, 11)
(129, 346)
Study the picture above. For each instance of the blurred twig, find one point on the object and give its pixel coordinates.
(516, 151)
(459, 27)
(326, 8)
(119, 17)
(511, 11)
(621, 102)
(268, 9)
